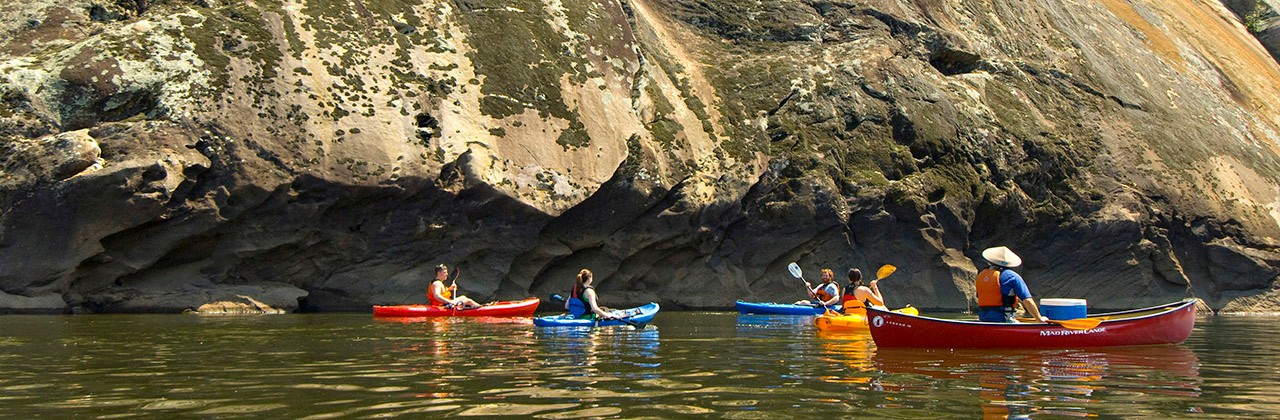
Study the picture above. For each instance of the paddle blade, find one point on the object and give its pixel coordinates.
(795, 270)
(1078, 324)
(885, 271)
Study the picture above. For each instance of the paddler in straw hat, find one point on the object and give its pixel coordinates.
(1000, 288)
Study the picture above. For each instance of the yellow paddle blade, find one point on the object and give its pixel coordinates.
(885, 271)
(1078, 324)
(909, 310)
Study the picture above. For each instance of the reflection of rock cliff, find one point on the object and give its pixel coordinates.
(327, 154)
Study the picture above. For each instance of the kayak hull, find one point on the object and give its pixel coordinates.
(853, 323)
(770, 308)
(635, 316)
(519, 308)
(1165, 324)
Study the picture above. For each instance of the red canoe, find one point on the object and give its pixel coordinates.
(1168, 323)
(511, 308)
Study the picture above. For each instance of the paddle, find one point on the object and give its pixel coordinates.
(623, 319)
(453, 287)
(795, 272)
(557, 299)
(885, 271)
(636, 325)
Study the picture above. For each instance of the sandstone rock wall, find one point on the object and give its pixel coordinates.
(324, 155)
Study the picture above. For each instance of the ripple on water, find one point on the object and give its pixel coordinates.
(25, 387)
(242, 409)
(667, 384)
(178, 404)
(431, 409)
(418, 405)
(678, 409)
(505, 409)
(584, 413)
(389, 389)
(90, 402)
(736, 403)
(329, 387)
(412, 404)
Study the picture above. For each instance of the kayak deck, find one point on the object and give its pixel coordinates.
(772, 308)
(519, 308)
(637, 317)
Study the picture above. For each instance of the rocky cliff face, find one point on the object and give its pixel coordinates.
(1262, 19)
(324, 155)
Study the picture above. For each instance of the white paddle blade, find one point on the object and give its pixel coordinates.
(795, 270)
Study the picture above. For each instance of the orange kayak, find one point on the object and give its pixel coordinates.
(852, 323)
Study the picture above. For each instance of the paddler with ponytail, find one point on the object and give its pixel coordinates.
(583, 302)
(438, 295)
(857, 297)
(1000, 288)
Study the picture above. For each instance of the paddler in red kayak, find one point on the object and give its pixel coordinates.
(1000, 288)
(439, 295)
(582, 302)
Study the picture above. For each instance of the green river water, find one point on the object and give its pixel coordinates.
(316, 366)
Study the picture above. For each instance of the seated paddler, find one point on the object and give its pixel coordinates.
(826, 293)
(1000, 289)
(858, 297)
(439, 295)
(583, 302)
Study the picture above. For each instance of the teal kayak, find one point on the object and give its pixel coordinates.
(635, 317)
(770, 308)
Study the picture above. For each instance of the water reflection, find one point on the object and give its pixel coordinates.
(694, 364)
(586, 347)
(1019, 383)
(853, 350)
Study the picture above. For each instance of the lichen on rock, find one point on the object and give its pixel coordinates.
(320, 155)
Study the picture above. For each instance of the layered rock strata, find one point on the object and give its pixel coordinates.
(324, 155)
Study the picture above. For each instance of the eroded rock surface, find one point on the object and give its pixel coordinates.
(162, 156)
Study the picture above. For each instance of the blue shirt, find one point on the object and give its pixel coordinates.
(1011, 284)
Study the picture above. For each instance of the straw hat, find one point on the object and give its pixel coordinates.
(1002, 256)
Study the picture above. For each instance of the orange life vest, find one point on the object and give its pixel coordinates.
(444, 291)
(853, 306)
(989, 289)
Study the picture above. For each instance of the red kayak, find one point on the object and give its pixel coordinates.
(506, 308)
(1164, 324)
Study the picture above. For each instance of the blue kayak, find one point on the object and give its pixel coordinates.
(636, 317)
(770, 308)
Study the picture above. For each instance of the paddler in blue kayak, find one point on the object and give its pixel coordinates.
(1000, 288)
(826, 293)
(438, 295)
(582, 302)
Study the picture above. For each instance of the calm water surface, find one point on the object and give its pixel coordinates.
(687, 364)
